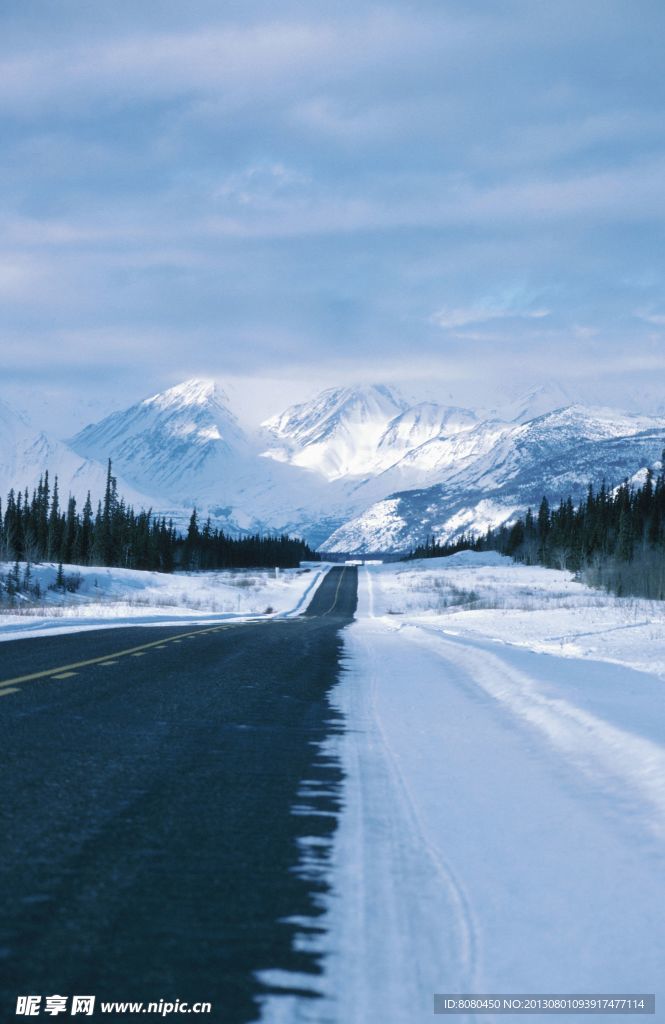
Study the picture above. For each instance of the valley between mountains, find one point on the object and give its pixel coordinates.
(356, 469)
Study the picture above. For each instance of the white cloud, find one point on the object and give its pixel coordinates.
(260, 183)
(622, 195)
(650, 317)
(15, 279)
(501, 308)
(585, 332)
(239, 62)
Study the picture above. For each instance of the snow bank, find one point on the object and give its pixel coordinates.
(121, 597)
(473, 559)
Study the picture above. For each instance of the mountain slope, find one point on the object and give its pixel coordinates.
(526, 406)
(336, 434)
(186, 445)
(180, 443)
(557, 454)
(25, 454)
(419, 425)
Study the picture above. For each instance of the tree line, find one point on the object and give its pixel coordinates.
(36, 528)
(614, 538)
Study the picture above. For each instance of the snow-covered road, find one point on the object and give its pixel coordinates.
(503, 826)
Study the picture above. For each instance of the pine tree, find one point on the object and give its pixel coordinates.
(84, 535)
(36, 528)
(53, 522)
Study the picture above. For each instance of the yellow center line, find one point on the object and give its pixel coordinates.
(64, 675)
(45, 673)
(332, 606)
(8, 690)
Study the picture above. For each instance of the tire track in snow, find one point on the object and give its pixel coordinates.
(400, 918)
(465, 920)
(468, 932)
(630, 766)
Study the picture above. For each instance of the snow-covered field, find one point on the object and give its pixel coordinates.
(121, 597)
(503, 823)
(487, 595)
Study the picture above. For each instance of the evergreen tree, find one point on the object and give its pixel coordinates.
(35, 528)
(53, 529)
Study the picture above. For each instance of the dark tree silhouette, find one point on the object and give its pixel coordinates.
(614, 538)
(37, 529)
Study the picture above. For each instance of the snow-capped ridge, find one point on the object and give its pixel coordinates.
(494, 471)
(170, 440)
(604, 421)
(310, 422)
(194, 392)
(424, 422)
(337, 433)
(536, 401)
(12, 420)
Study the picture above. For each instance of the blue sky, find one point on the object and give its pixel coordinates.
(306, 193)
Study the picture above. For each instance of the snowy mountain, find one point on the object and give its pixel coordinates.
(26, 452)
(502, 470)
(186, 445)
(170, 439)
(338, 433)
(420, 424)
(354, 469)
(525, 406)
(309, 470)
(444, 470)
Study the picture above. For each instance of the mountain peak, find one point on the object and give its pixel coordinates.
(537, 401)
(305, 421)
(367, 392)
(337, 432)
(194, 392)
(161, 443)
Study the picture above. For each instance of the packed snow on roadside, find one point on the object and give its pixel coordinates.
(503, 811)
(120, 597)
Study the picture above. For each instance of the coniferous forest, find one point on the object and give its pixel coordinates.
(36, 528)
(614, 538)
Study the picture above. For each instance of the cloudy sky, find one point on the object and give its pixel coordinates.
(468, 193)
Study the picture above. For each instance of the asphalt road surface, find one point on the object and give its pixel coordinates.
(148, 781)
